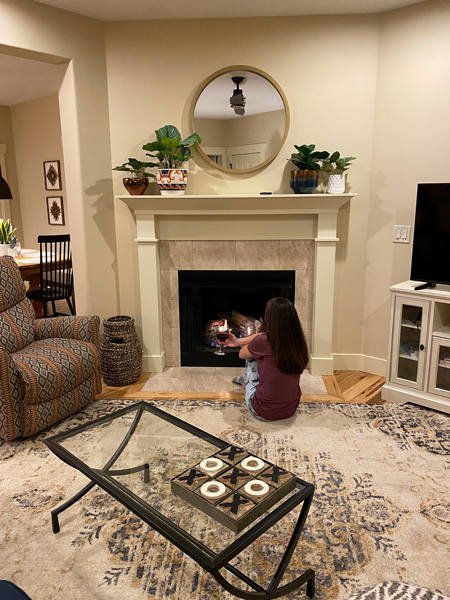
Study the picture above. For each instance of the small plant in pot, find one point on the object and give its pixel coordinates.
(7, 238)
(137, 182)
(172, 152)
(308, 161)
(336, 166)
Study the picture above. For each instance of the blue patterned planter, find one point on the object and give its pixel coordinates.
(304, 181)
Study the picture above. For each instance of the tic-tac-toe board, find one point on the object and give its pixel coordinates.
(233, 486)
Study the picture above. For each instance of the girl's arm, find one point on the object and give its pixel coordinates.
(244, 352)
(234, 342)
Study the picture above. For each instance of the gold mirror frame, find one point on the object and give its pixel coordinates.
(203, 86)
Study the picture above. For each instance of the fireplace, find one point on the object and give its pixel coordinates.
(231, 231)
(240, 297)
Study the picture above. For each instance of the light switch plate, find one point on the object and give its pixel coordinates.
(402, 234)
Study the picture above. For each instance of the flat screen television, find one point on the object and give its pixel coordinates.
(431, 246)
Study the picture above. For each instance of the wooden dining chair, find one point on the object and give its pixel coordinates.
(56, 276)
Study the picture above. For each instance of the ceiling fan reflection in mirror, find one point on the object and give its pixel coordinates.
(237, 100)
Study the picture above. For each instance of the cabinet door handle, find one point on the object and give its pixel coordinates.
(422, 347)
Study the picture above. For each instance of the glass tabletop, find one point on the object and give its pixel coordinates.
(139, 451)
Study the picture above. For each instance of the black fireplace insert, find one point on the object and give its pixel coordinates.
(209, 297)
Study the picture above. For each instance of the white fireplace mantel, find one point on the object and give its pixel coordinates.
(315, 214)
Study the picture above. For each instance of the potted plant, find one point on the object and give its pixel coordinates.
(136, 184)
(172, 152)
(336, 166)
(7, 238)
(308, 162)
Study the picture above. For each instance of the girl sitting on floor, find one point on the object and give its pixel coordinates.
(275, 359)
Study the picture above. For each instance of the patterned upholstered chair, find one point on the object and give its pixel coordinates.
(49, 368)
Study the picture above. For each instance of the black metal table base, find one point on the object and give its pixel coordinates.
(272, 591)
(209, 560)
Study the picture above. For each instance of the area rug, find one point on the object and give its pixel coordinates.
(380, 512)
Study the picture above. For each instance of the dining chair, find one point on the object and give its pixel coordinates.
(56, 276)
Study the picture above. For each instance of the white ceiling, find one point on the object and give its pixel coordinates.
(23, 80)
(214, 101)
(136, 10)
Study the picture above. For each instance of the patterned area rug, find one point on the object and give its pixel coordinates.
(381, 511)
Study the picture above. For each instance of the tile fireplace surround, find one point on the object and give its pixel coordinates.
(232, 232)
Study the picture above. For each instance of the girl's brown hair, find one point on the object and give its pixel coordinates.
(285, 335)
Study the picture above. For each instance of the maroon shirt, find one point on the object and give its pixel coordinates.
(278, 394)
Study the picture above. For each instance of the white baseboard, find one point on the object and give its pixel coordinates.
(153, 363)
(360, 362)
(321, 366)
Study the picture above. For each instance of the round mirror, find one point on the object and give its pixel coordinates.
(242, 117)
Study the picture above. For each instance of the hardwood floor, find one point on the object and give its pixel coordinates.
(343, 386)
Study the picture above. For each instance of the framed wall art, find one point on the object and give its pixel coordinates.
(52, 174)
(55, 210)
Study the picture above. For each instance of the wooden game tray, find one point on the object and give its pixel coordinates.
(235, 507)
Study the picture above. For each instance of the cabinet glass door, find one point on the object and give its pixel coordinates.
(440, 367)
(408, 358)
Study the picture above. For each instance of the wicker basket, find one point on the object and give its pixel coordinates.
(120, 351)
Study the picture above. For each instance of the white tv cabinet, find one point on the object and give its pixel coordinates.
(419, 346)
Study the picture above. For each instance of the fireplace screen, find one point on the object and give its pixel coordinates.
(211, 301)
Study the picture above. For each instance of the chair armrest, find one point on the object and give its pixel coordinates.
(85, 329)
(10, 399)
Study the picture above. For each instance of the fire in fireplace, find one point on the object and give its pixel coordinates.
(215, 300)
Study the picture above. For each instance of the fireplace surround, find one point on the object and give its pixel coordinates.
(247, 232)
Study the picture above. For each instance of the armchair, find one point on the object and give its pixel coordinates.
(49, 368)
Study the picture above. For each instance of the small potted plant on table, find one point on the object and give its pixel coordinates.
(172, 152)
(137, 183)
(308, 162)
(336, 166)
(7, 238)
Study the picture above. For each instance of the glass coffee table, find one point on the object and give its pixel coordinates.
(209, 498)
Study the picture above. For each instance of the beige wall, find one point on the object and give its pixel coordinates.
(7, 137)
(412, 133)
(257, 129)
(37, 135)
(32, 29)
(212, 131)
(332, 104)
(254, 129)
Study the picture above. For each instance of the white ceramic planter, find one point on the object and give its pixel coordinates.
(4, 249)
(336, 184)
(171, 182)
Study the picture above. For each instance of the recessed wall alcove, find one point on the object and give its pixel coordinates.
(250, 232)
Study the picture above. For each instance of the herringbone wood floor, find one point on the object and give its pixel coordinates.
(343, 386)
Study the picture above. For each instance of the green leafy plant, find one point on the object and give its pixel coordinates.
(7, 233)
(169, 148)
(308, 158)
(136, 168)
(335, 164)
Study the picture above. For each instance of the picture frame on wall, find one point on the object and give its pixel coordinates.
(52, 175)
(55, 210)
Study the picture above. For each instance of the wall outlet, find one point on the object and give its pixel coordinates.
(402, 234)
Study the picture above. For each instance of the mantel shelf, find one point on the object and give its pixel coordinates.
(237, 204)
